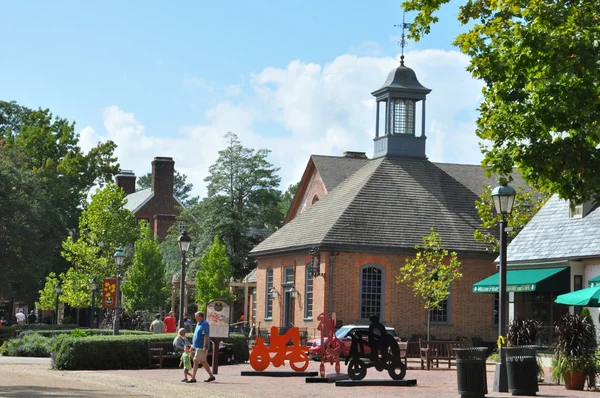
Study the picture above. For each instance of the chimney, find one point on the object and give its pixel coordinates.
(126, 181)
(355, 155)
(162, 176)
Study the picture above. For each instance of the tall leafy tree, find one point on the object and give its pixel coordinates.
(145, 287)
(286, 198)
(181, 188)
(526, 204)
(47, 295)
(431, 272)
(212, 279)
(242, 206)
(105, 226)
(47, 148)
(539, 62)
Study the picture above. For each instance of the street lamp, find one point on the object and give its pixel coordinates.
(315, 266)
(119, 257)
(184, 242)
(504, 198)
(57, 289)
(93, 311)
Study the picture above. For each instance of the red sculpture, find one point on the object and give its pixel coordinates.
(330, 345)
(260, 357)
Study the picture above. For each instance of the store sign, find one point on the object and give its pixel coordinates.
(509, 288)
(217, 316)
(109, 293)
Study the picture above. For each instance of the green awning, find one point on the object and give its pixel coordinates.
(594, 282)
(527, 280)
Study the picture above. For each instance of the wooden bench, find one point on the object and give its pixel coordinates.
(439, 350)
(160, 350)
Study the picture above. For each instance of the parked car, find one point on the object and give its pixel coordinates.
(343, 333)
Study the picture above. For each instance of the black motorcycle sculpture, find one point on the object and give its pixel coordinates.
(384, 355)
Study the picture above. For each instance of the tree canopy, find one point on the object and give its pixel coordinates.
(539, 61)
(212, 279)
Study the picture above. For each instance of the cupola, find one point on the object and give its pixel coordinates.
(396, 124)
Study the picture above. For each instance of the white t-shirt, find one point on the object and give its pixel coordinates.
(20, 317)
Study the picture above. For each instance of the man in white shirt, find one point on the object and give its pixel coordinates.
(20, 318)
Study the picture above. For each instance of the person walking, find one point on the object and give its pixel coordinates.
(170, 322)
(31, 318)
(200, 344)
(157, 325)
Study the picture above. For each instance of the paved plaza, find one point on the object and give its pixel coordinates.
(20, 378)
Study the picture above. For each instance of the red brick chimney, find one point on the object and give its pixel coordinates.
(162, 176)
(126, 181)
(354, 155)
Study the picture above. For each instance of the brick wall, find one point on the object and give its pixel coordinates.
(315, 189)
(471, 314)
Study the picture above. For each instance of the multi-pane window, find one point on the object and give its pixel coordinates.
(440, 315)
(269, 295)
(576, 211)
(254, 306)
(371, 291)
(181, 226)
(308, 293)
(288, 276)
(404, 117)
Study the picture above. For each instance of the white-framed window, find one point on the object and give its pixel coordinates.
(576, 211)
(181, 226)
(308, 293)
(372, 291)
(269, 294)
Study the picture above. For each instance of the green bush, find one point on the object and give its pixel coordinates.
(105, 352)
(3, 347)
(33, 345)
(42, 326)
(240, 346)
(89, 332)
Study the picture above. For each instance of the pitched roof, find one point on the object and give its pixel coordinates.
(552, 234)
(335, 170)
(250, 277)
(472, 177)
(134, 201)
(387, 205)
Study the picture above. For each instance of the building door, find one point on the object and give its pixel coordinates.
(287, 309)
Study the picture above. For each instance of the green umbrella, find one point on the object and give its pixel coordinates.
(589, 297)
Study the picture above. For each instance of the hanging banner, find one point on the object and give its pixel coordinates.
(109, 289)
(217, 316)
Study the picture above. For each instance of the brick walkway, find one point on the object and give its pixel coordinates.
(434, 383)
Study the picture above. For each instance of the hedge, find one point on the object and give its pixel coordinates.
(89, 332)
(105, 352)
(119, 352)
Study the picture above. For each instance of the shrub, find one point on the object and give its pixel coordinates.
(240, 346)
(79, 333)
(32, 345)
(105, 352)
(523, 332)
(89, 332)
(3, 347)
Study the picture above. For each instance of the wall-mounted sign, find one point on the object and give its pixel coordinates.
(217, 316)
(109, 293)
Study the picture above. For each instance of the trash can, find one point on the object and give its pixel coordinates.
(521, 370)
(470, 371)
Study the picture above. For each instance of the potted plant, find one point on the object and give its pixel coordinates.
(522, 366)
(575, 351)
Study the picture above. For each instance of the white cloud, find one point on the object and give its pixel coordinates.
(367, 48)
(309, 109)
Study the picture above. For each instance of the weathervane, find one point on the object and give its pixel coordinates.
(402, 43)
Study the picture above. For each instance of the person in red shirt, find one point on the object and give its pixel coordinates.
(170, 323)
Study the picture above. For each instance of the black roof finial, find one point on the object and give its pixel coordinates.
(402, 43)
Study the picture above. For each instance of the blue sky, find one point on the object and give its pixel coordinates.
(170, 80)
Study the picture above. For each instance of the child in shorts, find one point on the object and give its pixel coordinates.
(186, 362)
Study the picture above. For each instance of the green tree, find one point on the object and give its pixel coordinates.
(286, 198)
(212, 279)
(181, 188)
(47, 296)
(105, 226)
(145, 287)
(526, 205)
(242, 206)
(539, 62)
(431, 272)
(45, 151)
(26, 252)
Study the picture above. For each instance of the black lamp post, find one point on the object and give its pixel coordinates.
(184, 245)
(93, 311)
(504, 198)
(315, 266)
(57, 289)
(119, 257)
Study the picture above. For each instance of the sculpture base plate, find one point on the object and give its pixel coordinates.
(329, 378)
(279, 373)
(376, 382)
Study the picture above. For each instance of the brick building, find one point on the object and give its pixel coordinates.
(157, 204)
(362, 218)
